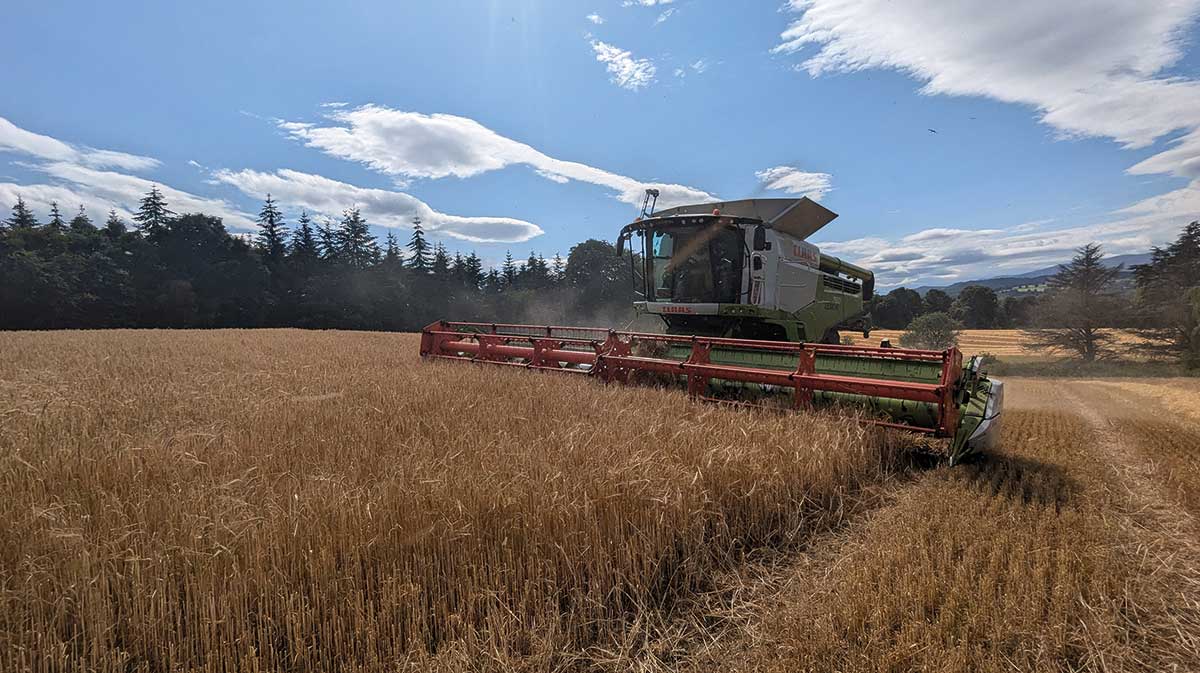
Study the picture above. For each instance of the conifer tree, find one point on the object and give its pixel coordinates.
(113, 226)
(356, 245)
(304, 249)
(441, 262)
(272, 233)
(458, 268)
(22, 217)
(418, 248)
(473, 271)
(81, 223)
(56, 220)
(153, 216)
(391, 254)
(559, 268)
(327, 240)
(509, 270)
(493, 282)
(1079, 305)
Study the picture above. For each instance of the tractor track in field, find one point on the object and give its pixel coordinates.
(1162, 536)
(1148, 618)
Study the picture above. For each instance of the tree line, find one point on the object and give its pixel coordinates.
(1080, 310)
(186, 271)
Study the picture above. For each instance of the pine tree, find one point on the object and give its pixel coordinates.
(56, 220)
(81, 223)
(458, 269)
(473, 271)
(559, 269)
(153, 216)
(272, 233)
(1079, 305)
(22, 217)
(304, 250)
(418, 248)
(493, 281)
(441, 262)
(113, 226)
(356, 245)
(509, 270)
(327, 240)
(391, 254)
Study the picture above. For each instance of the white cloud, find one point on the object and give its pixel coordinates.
(792, 180)
(1091, 68)
(411, 145)
(947, 254)
(627, 72)
(595, 18)
(645, 3)
(662, 18)
(78, 180)
(700, 66)
(381, 207)
(126, 191)
(16, 139)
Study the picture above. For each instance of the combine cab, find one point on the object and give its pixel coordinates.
(742, 296)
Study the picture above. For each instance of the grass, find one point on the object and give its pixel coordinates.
(247, 500)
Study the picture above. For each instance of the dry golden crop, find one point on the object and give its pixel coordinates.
(288, 500)
(321, 501)
(999, 342)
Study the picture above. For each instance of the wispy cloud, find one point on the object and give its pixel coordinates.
(645, 3)
(595, 18)
(411, 145)
(77, 179)
(668, 13)
(1091, 68)
(382, 207)
(625, 71)
(791, 180)
(16, 139)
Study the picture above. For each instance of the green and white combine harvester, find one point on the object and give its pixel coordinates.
(752, 311)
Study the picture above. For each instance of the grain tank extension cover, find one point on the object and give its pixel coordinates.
(800, 217)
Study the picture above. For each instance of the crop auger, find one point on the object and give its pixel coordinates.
(744, 297)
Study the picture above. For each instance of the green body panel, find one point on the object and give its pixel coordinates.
(919, 414)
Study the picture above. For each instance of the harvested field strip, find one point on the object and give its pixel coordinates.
(997, 565)
(322, 501)
(1015, 562)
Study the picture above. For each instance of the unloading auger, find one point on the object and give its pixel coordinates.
(751, 310)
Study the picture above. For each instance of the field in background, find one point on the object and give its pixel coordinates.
(1003, 343)
(269, 500)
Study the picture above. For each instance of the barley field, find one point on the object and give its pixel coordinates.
(283, 500)
(1002, 343)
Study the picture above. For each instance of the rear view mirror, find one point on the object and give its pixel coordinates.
(760, 238)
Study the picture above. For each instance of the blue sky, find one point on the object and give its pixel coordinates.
(955, 140)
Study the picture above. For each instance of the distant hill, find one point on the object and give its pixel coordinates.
(1127, 260)
(1031, 281)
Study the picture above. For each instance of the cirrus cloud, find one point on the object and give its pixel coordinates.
(381, 207)
(411, 145)
(791, 180)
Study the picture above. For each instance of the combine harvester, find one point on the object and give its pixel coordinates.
(751, 310)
